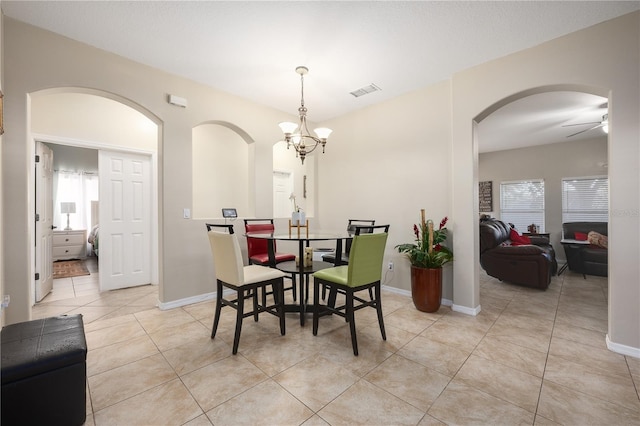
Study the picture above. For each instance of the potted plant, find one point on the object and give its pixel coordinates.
(427, 256)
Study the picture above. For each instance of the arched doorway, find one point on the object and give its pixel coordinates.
(104, 122)
(547, 153)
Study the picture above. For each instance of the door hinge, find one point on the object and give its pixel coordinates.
(37, 158)
(37, 276)
(37, 217)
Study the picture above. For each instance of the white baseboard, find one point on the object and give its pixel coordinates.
(397, 290)
(186, 301)
(622, 349)
(466, 310)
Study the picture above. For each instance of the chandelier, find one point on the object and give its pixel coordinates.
(302, 141)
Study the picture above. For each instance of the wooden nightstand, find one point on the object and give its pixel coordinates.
(69, 244)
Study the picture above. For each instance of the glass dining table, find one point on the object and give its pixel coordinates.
(302, 272)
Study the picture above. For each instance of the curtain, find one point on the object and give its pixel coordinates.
(77, 187)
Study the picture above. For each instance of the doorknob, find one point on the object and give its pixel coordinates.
(53, 227)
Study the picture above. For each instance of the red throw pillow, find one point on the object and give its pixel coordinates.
(580, 236)
(517, 239)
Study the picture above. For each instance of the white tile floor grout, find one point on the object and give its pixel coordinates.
(530, 357)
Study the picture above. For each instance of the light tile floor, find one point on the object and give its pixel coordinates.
(529, 357)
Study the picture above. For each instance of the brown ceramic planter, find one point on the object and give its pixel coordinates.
(426, 288)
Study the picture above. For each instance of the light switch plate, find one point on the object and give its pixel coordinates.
(186, 213)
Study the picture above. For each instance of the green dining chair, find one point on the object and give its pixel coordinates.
(244, 280)
(362, 273)
(343, 259)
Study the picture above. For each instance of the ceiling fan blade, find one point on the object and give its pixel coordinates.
(586, 130)
(581, 124)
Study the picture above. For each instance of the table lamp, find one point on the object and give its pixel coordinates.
(68, 208)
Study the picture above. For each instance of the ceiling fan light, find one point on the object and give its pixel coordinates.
(322, 132)
(288, 127)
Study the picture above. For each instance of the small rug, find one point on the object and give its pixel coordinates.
(69, 268)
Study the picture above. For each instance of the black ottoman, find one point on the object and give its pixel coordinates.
(44, 372)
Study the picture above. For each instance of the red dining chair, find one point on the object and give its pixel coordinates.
(258, 249)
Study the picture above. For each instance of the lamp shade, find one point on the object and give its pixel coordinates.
(69, 207)
(287, 127)
(323, 132)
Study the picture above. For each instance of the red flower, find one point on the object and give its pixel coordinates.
(416, 231)
(444, 222)
(437, 247)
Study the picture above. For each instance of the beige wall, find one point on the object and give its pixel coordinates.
(41, 60)
(385, 162)
(551, 163)
(89, 118)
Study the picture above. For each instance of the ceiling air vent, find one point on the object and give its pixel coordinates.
(365, 90)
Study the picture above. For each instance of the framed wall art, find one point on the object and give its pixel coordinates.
(485, 194)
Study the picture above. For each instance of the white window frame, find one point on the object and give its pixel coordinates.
(585, 199)
(521, 206)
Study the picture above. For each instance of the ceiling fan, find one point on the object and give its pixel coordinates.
(604, 123)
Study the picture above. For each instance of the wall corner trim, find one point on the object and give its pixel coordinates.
(622, 349)
(466, 310)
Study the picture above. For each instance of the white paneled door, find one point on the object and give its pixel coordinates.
(282, 190)
(125, 220)
(44, 221)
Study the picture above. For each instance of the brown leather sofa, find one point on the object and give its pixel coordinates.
(528, 265)
(586, 259)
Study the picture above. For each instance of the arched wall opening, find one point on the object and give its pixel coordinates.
(478, 138)
(223, 157)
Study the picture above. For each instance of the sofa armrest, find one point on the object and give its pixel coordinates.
(527, 250)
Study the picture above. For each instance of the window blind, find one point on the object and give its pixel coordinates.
(585, 199)
(522, 203)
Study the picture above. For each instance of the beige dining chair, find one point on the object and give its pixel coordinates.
(244, 280)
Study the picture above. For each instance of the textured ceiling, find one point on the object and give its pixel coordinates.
(252, 48)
